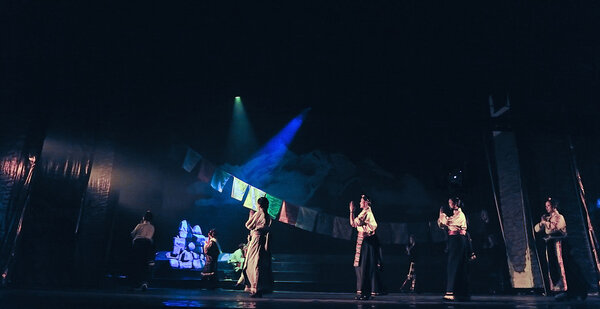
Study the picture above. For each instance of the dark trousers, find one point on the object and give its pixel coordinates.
(368, 277)
(142, 258)
(457, 265)
(209, 273)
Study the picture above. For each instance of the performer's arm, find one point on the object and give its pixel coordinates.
(352, 214)
(442, 219)
(135, 230)
(543, 225)
(207, 245)
(559, 226)
(251, 223)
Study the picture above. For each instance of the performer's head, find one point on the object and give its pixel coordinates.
(212, 233)
(365, 201)
(148, 216)
(263, 203)
(551, 204)
(455, 202)
(484, 216)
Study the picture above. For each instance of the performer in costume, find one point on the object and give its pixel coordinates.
(564, 274)
(367, 258)
(458, 250)
(553, 225)
(257, 265)
(143, 252)
(211, 251)
(237, 259)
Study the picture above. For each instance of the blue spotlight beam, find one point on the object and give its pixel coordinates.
(278, 145)
(265, 161)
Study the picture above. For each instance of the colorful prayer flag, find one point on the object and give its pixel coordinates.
(324, 224)
(341, 228)
(239, 189)
(289, 213)
(274, 206)
(219, 179)
(253, 195)
(206, 170)
(191, 159)
(306, 219)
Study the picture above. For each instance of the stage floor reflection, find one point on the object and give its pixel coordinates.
(189, 298)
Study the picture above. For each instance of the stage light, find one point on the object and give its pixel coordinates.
(455, 177)
(272, 153)
(241, 142)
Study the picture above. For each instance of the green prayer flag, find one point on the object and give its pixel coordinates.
(274, 206)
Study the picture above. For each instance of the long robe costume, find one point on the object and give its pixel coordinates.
(257, 266)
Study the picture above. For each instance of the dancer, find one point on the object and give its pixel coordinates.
(143, 252)
(564, 274)
(553, 225)
(211, 251)
(367, 258)
(257, 266)
(458, 250)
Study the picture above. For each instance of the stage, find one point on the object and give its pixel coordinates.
(220, 298)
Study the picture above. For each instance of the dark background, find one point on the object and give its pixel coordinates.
(403, 83)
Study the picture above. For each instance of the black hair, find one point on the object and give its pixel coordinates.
(553, 202)
(148, 216)
(457, 201)
(366, 198)
(212, 233)
(263, 202)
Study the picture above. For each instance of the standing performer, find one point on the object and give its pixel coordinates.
(211, 252)
(563, 272)
(143, 252)
(458, 250)
(554, 226)
(257, 266)
(367, 258)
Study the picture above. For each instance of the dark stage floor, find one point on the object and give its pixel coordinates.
(188, 298)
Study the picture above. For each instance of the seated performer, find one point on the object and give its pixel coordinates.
(237, 259)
